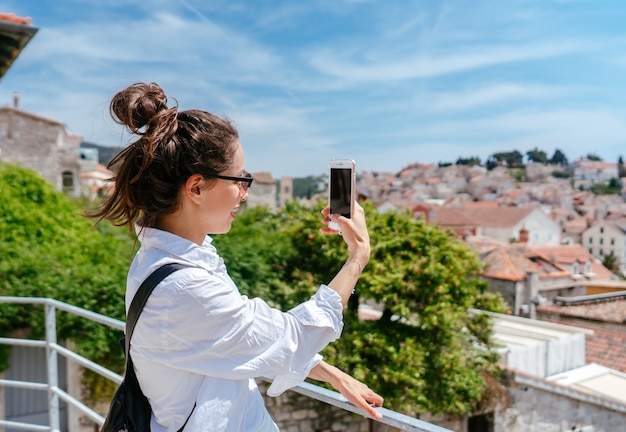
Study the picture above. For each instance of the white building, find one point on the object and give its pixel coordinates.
(607, 237)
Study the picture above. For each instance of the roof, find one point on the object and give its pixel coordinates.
(496, 216)
(538, 347)
(568, 254)
(576, 225)
(596, 380)
(608, 348)
(512, 262)
(33, 116)
(476, 214)
(601, 309)
(263, 177)
(15, 33)
(449, 217)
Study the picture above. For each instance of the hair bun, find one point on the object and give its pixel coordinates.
(137, 105)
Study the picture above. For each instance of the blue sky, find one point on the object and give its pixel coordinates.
(386, 82)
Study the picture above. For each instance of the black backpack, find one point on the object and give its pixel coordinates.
(130, 410)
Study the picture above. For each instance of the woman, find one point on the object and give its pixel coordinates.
(199, 341)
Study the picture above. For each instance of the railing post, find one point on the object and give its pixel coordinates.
(53, 369)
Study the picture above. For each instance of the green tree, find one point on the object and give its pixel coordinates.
(610, 262)
(427, 352)
(512, 159)
(621, 169)
(471, 161)
(613, 187)
(558, 158)
(594, 157)
(537, 155)
(50, 250)
(491, 163)
(306, 187)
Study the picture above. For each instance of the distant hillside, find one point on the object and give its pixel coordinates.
(105, 153)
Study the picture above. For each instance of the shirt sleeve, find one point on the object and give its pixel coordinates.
(199, 322)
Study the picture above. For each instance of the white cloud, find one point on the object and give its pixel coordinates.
(495, 94)
(344, 65)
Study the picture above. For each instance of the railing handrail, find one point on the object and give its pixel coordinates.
(390, 418)
(94, 316)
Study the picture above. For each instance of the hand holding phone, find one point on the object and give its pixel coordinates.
(341, 193)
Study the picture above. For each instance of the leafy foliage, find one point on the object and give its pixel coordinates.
(558, 158)
(537, 155)
(306, 187)
(512, 159)
(427, 352)
(49, 250)
(471, 161)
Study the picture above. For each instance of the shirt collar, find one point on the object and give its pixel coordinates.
(204, 255)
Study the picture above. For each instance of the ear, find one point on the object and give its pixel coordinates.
(193, 186)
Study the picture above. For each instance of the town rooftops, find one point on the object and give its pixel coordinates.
(15, 33)
(595, 308)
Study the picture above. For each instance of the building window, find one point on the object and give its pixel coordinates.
(601, 241)
(601, 230)
(612, 242)
(590, 240)
(591, 251)
(601, 253)
(68, 181)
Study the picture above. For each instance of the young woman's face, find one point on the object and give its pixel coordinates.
(222, 198)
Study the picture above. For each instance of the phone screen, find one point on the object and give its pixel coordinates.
(340, 193)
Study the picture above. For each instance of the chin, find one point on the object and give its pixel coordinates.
(222, 230)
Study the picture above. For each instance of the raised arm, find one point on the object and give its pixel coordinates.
(354, 233)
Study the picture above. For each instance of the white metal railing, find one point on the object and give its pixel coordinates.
(55, 394)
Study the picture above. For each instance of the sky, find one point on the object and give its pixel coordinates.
(386, 83)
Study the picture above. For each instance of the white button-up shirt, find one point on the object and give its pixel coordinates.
(198, 340)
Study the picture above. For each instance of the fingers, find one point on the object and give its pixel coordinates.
(369, 404)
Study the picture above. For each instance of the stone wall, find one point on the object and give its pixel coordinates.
(42, 145)
(538, 408)
(294, 412)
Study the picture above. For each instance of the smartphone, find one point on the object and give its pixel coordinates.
(342, 178)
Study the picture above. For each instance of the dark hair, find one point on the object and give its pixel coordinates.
(171, 147)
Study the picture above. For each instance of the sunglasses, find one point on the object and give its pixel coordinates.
(244, 181)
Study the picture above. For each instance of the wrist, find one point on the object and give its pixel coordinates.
(361, 256)
(355, 263)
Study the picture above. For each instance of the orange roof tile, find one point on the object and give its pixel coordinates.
(496, 216)
(569, 253)
(483, 204)
(12, 18)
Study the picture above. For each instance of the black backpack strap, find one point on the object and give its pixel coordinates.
(137, 304)
(141, 297)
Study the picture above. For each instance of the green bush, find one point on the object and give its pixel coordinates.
(50, 250)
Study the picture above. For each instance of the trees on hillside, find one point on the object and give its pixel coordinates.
(537, 155)
(558, 158)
